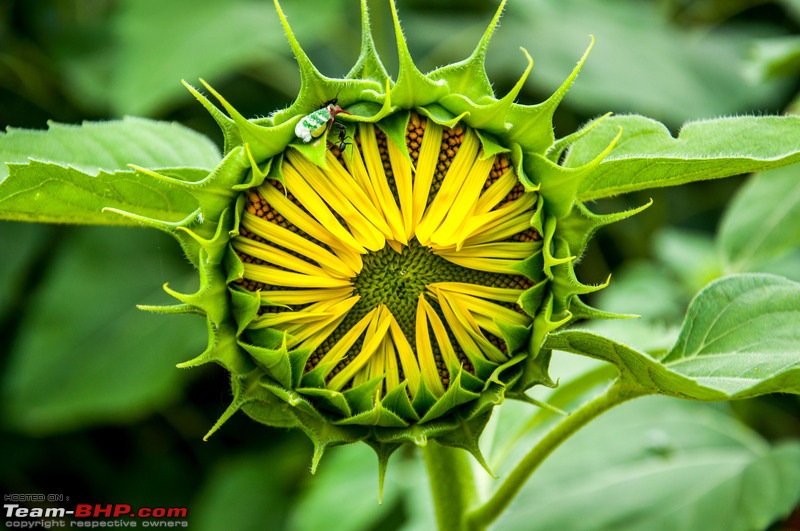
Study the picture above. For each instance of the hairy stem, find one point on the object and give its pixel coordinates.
(485, 514)
(452, 484)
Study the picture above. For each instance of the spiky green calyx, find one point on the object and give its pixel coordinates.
(402, 272)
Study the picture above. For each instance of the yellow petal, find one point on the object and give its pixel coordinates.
(278, 277)
(275, 256)
(390, 364)
(501, 231)
(269, 320)
(319, 311)
(372, 340)
(312, 335)
(509, 295)
(427, 363)
(456, 174)
(354, 191)
(315, 206)
(374, 165)
(491, 221)
(303, 296)
(338, 199)
(467, 332)
(440, 332)
(496, 192)
(408, 360)
(401, 169)
(463, 204)
(287, 239)
(426, 169)
(341, 348)
(490, 265)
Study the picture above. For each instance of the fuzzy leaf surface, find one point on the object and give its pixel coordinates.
(648, 156)
(763, 221)
(739, 340)
(658, 463)
(70, 173)
(93, 147)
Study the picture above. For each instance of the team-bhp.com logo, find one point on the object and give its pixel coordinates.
(94, 516)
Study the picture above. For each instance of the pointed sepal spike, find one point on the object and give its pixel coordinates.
(316, 457)
(555, 151)
(560, 185)
(205, 356)
(413, 88)
(384, 451)
(165, 226)
(550, 253)
(466, 436)
(468, 77)
(315, 89)
(213, 248)
(275, 362)
(580, 226)
(565, 285)
(533, 127)
(175, 309)
(312, 83)
(581, 310)
(368, 65)
(230, 132)
(264, 141)
(544, 323)
(489, 117)
(209, 295)
(226, 415)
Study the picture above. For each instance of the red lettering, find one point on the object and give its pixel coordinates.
(159, 512)
(99, 510)
(121, 508)
(82, 510)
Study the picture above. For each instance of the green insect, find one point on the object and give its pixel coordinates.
(315, 124)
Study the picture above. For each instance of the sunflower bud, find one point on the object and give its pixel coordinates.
(382, 260)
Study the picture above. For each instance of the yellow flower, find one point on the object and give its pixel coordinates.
(389, 267)
(382, 260)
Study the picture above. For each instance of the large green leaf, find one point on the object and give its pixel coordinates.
(664, 464)
(69, 174)
(93, 147)
(43, 192)
(739, 340)
(84, 353)
(648, 156)
(763, 221)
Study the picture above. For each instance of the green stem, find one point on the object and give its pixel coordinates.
(452, 484)
(484, 515)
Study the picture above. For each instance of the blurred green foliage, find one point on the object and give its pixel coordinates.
(92, 405)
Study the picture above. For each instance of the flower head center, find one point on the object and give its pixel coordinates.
(391, 269)
(397, 279)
